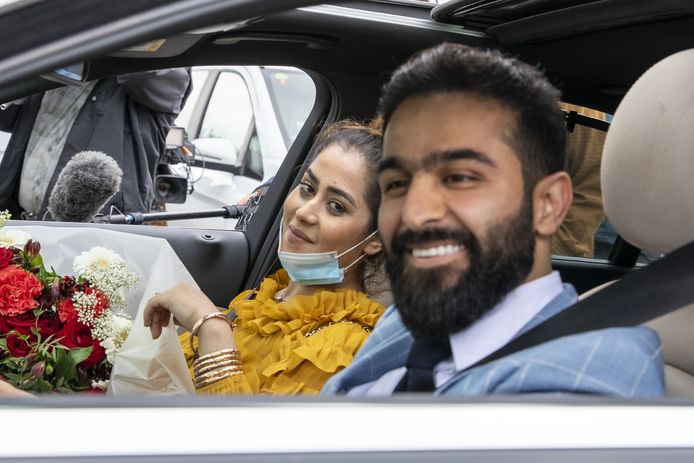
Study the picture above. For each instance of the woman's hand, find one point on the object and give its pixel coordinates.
(8, 390)
(187, 304)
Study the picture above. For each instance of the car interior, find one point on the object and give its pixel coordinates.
(593, 51)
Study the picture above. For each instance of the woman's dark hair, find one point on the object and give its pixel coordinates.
(365, 140)
(539, 135)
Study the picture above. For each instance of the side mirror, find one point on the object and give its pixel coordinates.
(218, 150)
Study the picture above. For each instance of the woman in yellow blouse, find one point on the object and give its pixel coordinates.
(307, 321)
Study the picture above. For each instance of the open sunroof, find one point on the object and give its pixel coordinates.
(523, 21)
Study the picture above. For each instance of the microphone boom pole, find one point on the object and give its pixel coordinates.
(135, 218)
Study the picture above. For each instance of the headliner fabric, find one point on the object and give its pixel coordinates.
(648, 160)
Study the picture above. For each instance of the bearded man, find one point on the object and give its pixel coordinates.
(472, 192)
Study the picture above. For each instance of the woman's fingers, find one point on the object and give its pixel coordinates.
(156, 315)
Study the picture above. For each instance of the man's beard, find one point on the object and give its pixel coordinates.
(432, 310)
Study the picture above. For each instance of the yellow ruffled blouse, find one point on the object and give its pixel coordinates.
(295, 346)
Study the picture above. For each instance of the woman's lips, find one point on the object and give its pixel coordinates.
(296, 236)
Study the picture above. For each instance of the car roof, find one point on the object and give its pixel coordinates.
(357, 39)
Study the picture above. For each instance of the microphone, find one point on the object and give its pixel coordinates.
(136, 218)
(84, 186)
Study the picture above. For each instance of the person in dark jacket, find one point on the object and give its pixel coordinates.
(127, 117)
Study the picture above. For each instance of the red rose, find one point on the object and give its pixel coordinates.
(6, 257)
(17, 346)
(46, 323)
(66, 310)
(75, 334)
(18, 289)
(102, 303)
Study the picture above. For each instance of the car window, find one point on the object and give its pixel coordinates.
(245, 117)
(229, 114)
(292, 95)
(586, 232)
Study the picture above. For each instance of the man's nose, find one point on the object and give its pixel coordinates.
(424, 204)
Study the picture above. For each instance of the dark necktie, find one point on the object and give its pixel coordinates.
(420, 365)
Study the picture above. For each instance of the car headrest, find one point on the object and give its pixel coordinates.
(648, 160)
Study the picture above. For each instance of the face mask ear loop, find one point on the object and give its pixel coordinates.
(344, 270)
(363, 254)
(357, 245)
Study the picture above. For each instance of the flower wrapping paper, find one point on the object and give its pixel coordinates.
(143, 365)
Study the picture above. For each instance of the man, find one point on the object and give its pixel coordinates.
(127, 117)
(473, 190)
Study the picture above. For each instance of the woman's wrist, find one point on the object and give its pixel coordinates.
(213, 332)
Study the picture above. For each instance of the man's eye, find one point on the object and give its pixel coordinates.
(394, 185)
(336, 207)
(458, 178)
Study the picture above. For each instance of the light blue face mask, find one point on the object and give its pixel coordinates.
(317, 268)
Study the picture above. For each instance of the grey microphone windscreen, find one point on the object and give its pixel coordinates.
(84, 186)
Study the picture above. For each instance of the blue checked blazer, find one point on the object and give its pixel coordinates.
(624, 362)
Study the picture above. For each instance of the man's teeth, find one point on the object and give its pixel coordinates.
(436, 251)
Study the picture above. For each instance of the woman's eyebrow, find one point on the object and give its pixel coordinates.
(312, 176)
(332, 189)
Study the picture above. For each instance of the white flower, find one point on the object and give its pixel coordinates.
(11, 237)
(101, 384)
(97, 258)
(112, 329)
(107, 272)
(4, 217)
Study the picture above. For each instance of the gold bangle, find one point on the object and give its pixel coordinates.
(214, 366)
(232, 352)
(212, 361)
(198, 324)
(217, 375)
(202, 384)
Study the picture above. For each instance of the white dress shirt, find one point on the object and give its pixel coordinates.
(488, 334)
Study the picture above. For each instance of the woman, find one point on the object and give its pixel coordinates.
(305, 322)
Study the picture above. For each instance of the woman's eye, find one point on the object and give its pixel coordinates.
(306, 189)
(336, 207)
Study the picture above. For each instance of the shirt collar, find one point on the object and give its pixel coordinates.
(501, 324)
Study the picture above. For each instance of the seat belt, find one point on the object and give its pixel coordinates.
(660, 288)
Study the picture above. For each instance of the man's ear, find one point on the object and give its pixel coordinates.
(552, 197)
(374, 246)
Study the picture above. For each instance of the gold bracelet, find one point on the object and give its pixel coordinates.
(214, 366)
(198, 324)
(232, 352)
(202, 384)
(215, 360)
(217, 375)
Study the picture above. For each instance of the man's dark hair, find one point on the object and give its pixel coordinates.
(539, 136)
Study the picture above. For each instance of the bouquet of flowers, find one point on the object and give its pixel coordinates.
(59, 333)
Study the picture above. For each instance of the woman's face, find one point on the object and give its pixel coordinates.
(327, 210)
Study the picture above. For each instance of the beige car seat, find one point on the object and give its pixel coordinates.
(648, 187)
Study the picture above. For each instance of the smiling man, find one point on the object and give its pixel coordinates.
(473, 190)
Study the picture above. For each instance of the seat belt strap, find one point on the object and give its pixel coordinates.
(660, 288)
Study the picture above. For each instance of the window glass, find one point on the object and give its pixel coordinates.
(245, 117)
(577, 234)
(586, 232)
(229, 114)
(293, 93)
